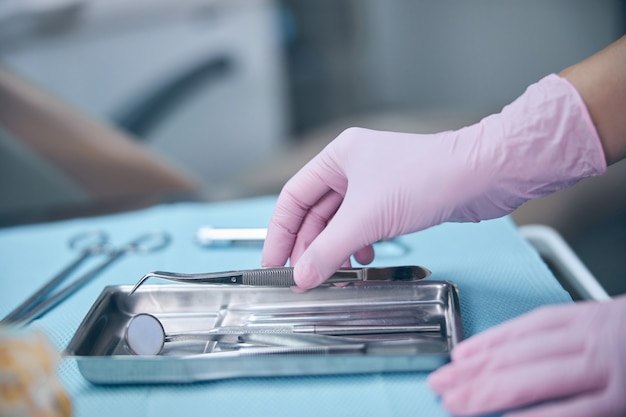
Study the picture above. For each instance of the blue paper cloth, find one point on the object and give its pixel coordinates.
(498, 273)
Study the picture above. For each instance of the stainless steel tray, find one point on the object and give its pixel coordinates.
(103, 356)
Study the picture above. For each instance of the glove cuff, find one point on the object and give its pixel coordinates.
(548, 142)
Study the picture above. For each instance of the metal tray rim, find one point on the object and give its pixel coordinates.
(186, 369)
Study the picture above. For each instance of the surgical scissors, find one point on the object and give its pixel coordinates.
(89, 243)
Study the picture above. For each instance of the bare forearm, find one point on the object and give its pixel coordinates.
(601, 81)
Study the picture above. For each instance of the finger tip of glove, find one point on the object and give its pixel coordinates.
(365, 256)
(298, 290)
(463, 351)
(269, 263)
(307, 276)
(273, 256)
(451, 399)
(439, 380)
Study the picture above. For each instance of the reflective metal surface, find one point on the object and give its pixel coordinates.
(103, 356)
(283, 276)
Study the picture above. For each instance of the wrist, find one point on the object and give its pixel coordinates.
(600, 81)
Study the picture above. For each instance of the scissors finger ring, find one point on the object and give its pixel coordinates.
(92, 241)
(149, 242)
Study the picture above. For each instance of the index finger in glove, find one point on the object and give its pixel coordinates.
(345, 234)
(542, 318)
(313, 222)
(541, 346)
(301, 193)
(532, 383)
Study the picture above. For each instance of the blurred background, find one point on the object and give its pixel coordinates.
(109, 105)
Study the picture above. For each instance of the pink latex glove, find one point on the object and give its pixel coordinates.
(368, 185)
(570, 359)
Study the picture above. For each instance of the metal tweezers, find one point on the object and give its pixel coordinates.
(283, 276)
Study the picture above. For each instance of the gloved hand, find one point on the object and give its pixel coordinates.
(567, 360)
(368, 185)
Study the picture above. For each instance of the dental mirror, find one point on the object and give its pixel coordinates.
(145, 335)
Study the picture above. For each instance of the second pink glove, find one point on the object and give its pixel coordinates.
(567, 360)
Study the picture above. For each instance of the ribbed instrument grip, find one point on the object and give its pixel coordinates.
(272, 277)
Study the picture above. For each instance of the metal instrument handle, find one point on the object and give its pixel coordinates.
(283, 276)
